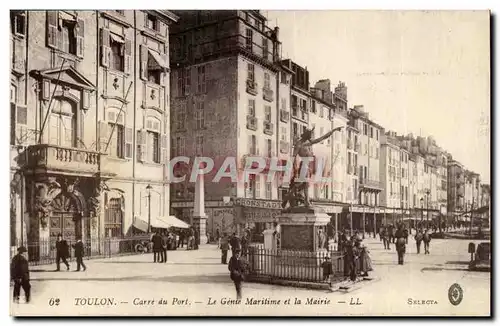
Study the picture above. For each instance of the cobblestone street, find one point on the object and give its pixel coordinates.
(191, 278)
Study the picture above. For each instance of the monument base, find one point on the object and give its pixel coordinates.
(200, 225)
(300, 228)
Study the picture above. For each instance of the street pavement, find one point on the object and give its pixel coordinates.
(191, 281)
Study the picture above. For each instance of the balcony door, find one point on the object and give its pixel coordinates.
(62, 127)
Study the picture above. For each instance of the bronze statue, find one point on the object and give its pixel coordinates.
(299, 191)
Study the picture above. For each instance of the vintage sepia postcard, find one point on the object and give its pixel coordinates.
(249, 163)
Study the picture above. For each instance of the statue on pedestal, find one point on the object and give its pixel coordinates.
(298, 195)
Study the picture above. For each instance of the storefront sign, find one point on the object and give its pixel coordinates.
(260, 215)
(247, 202)
(212, 203)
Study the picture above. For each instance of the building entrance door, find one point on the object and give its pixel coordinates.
(65, 219)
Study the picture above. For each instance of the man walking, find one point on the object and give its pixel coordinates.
(20, 274)
(418, 239)
(400, 245)
(62, 252)
(236, 271)
(165, 242)
(234, 242)
(157, 247)
(79, 251)
(224, 247)
(427, 240)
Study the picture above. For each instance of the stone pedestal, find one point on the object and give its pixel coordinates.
(299, 228)
(200, 225)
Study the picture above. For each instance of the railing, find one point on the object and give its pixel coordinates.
(44, 252)
(302, 266)
(252, 87)
(268, 94)
(370, 183)
(251, 122)
(66, 158)
(284, 115)
(268, 128)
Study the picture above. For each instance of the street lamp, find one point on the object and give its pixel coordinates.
(148, 188)
(422, 208)
(427, 206)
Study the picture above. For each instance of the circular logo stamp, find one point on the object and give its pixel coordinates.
(455, 294)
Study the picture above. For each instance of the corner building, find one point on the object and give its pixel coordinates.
(228, 76)
(89, 123)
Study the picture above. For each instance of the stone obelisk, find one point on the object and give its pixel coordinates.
(199, 217)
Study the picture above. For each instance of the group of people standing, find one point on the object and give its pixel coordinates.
(357, 261)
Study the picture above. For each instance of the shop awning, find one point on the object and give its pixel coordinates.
(173, 221)
(141, 223)
(158, 61)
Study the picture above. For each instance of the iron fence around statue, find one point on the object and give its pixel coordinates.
(302, 266)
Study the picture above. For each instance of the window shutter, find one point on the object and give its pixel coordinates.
(80, 35)
(142, 145)
(128, 142)
(105, 47)
(21, 123)
(128, 56)
(86, 99)
(164, 147)
(46, 90)
(103, 135)
(144, 62)
(52, 32)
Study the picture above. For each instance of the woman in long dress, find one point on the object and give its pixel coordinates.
(365, 262)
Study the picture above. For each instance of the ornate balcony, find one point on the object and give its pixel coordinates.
(252, 87)
(268, 128)
(370, 184)
(284, 115)
(45, 158)
(268, 94)
(251, 122)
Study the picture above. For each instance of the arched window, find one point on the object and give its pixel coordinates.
(62, 131)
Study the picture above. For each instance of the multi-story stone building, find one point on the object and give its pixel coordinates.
(90, 122)
(226, 74)
(364, 214)
(390, 165)
(456, 186)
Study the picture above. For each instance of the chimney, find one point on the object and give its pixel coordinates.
(277, 33)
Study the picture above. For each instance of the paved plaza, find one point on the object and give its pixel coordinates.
(194, 282)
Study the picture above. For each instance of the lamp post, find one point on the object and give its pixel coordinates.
(422, 209)
(427, 206)
(148, 188)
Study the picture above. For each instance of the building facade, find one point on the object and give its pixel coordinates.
(90, 122)
(226, 74)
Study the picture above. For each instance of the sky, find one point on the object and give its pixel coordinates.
(426, 73)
